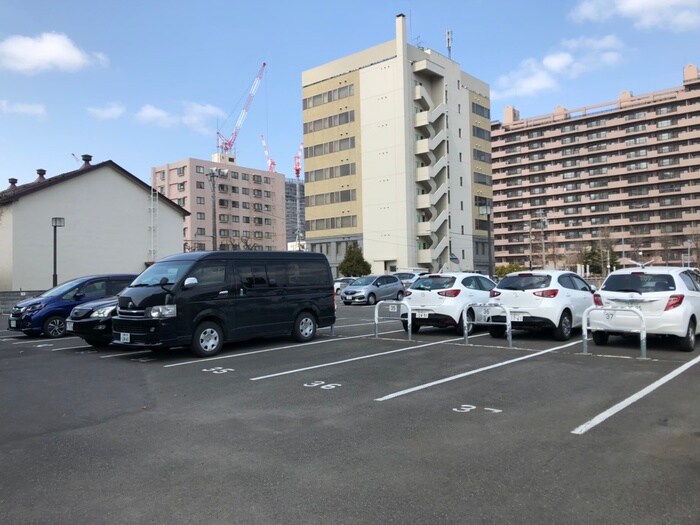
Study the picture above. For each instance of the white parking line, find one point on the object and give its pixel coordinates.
(633, 398)
(472, 372)
(70, 348)
(39, 341)
(361, 324)
(297, 345)
(126, 353)
(405, 349)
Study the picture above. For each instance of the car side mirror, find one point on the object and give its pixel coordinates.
(190, 282)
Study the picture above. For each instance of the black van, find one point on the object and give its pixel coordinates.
(205, 299)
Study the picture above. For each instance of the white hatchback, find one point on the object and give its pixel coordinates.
(439, 300)
(667, 297)
(541, 299)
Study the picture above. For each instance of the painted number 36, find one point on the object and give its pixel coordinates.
(322, 384)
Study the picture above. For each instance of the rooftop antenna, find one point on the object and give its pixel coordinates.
(448, 39)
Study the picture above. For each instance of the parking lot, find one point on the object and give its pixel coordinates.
(350, 428)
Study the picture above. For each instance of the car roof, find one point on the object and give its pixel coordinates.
(552, 273)
(651, 269)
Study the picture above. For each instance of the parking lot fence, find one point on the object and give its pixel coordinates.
(486, 312)
(394, 307)
(642, 331)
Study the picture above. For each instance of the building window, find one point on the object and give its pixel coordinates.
(200, 200)
(200, 215)
(181, 201)
(199, 169)
(199, 184)
(181, 186)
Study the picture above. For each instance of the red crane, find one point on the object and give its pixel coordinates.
(297, 160)
(226, 144)
(271, 164)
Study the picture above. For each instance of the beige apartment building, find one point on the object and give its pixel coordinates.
(397, 158)
(231, 207)
(623, 176)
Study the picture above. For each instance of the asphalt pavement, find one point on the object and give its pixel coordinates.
(350, 429)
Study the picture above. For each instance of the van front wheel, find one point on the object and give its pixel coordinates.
(208, 339)
(304, 327)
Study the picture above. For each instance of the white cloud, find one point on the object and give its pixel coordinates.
(676, 15)
(48, 51)
(574, 57)
(196, 116)
(32, 110)
(109, 112)
(149, 114)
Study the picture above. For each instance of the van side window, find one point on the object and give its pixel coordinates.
(252, 275)
(210, 273)
(311, 273)
(277, 274)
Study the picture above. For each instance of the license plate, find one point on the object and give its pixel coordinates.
(69, 326)
(421, 315)
(13, 323)
(124, 337)
(516, 318)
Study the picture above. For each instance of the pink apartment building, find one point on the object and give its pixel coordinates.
(623, 176)
(248, 209)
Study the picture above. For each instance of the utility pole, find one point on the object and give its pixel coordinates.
(297, 172)
(529, 234)
(542, 215)
(213, 175)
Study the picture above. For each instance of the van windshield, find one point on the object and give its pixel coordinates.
(173, 271)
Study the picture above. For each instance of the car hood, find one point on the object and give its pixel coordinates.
(99, 303)
(31, 302)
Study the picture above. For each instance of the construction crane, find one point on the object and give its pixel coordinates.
(297, 172)
(225, 145)
(271, 164)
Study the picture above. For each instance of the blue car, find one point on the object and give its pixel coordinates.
(47, 313)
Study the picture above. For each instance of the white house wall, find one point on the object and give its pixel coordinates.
(107, 230)
(6, 251)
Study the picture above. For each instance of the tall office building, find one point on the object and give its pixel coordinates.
(240, 208)
(290, 197)
(397, 158)
(621, 177)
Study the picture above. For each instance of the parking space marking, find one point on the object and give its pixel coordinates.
(633, 398)
(35, 341)
(297, 345)
(70, 348)
(472, 372)
(370, 356)
(126, 353)
(361, 324)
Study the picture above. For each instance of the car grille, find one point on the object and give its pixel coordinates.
(139, 313)
(128, 326)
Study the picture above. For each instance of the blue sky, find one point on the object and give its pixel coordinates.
(146, 82)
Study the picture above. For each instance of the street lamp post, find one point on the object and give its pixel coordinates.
(542, 215)
(214, 173)
(56, 222)
(486, 209)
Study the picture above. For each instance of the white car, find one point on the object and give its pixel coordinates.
(409, 277)
(439, 299)
(667, 297)
(541, 299)
(342, 282)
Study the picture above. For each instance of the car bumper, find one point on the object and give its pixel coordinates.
(24, 323)
(91, 328)
(357, 299)
(429, 318)
(146, 332)
(528, 321)
(670, 323)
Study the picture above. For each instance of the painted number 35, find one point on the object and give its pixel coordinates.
(322, 384)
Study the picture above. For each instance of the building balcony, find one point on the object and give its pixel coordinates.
(427, 67)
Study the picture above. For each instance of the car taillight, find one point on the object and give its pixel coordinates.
(597, 300)
(449, 293)
(494, 293)
(674, 301)
(546, 293)
(407, 293)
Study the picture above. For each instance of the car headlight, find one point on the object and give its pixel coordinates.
(33, 308)
(162, 311)
(103, 312)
